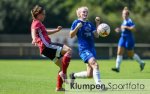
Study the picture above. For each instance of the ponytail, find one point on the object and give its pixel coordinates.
(36, 11)
(126, 9)
(32, 15)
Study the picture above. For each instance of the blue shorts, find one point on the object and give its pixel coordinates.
(87, 54)
(127, 42)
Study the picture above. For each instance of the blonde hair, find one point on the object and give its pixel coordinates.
(78, 11)
(36, 11)
(126, 9)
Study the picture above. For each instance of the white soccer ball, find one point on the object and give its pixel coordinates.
(103, 29)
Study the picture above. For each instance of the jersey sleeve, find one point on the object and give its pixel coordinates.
(124, 23)
(128, 22)
(131, 23)
(74, 24)
(36, 25)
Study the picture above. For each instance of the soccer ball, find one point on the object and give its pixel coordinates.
(103, 29)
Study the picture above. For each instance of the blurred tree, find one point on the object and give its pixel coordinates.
(15, 15)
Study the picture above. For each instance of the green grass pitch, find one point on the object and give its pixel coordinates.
(39, 76)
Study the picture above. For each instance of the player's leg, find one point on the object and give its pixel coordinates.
(50, 53)
(119, 58)
(66, 52)
(137, 58)
(59, 79)
(120, 52)
(54, 53)
(89, 71)
(96, 74)
(83, 74)
(130, 46)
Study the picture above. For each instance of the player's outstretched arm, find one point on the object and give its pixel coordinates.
(52, 31)
(131, 28)
(74, 32)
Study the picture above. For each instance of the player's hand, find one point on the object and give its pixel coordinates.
(59, 28)
(117, 30)
(97, 20)
(34, 42)
(124, 27)
(79, 25)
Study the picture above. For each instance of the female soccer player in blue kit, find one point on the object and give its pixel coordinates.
(126, 41)
(85, 32)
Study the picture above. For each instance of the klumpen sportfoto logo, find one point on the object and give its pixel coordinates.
(110, 85)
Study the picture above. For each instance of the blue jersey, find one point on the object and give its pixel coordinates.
(126, 40)
(127, 22)
(85, 34)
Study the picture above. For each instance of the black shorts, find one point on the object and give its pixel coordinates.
(53, 51)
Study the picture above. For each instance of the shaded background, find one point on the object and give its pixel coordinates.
(15, 18)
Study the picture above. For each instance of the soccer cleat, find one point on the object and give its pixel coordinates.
(60, 89)
(115, 69)
(72, 78)
(142, 65)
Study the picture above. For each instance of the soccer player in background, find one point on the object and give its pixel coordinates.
(60, 54)
(126, 41)
(85, 32)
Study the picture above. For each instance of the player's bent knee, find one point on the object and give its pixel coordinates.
(69, 50)
(130, 55)
(94, 64)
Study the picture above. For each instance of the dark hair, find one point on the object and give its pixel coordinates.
(36, 11)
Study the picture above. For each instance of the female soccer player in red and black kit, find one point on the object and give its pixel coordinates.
(60, 54)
